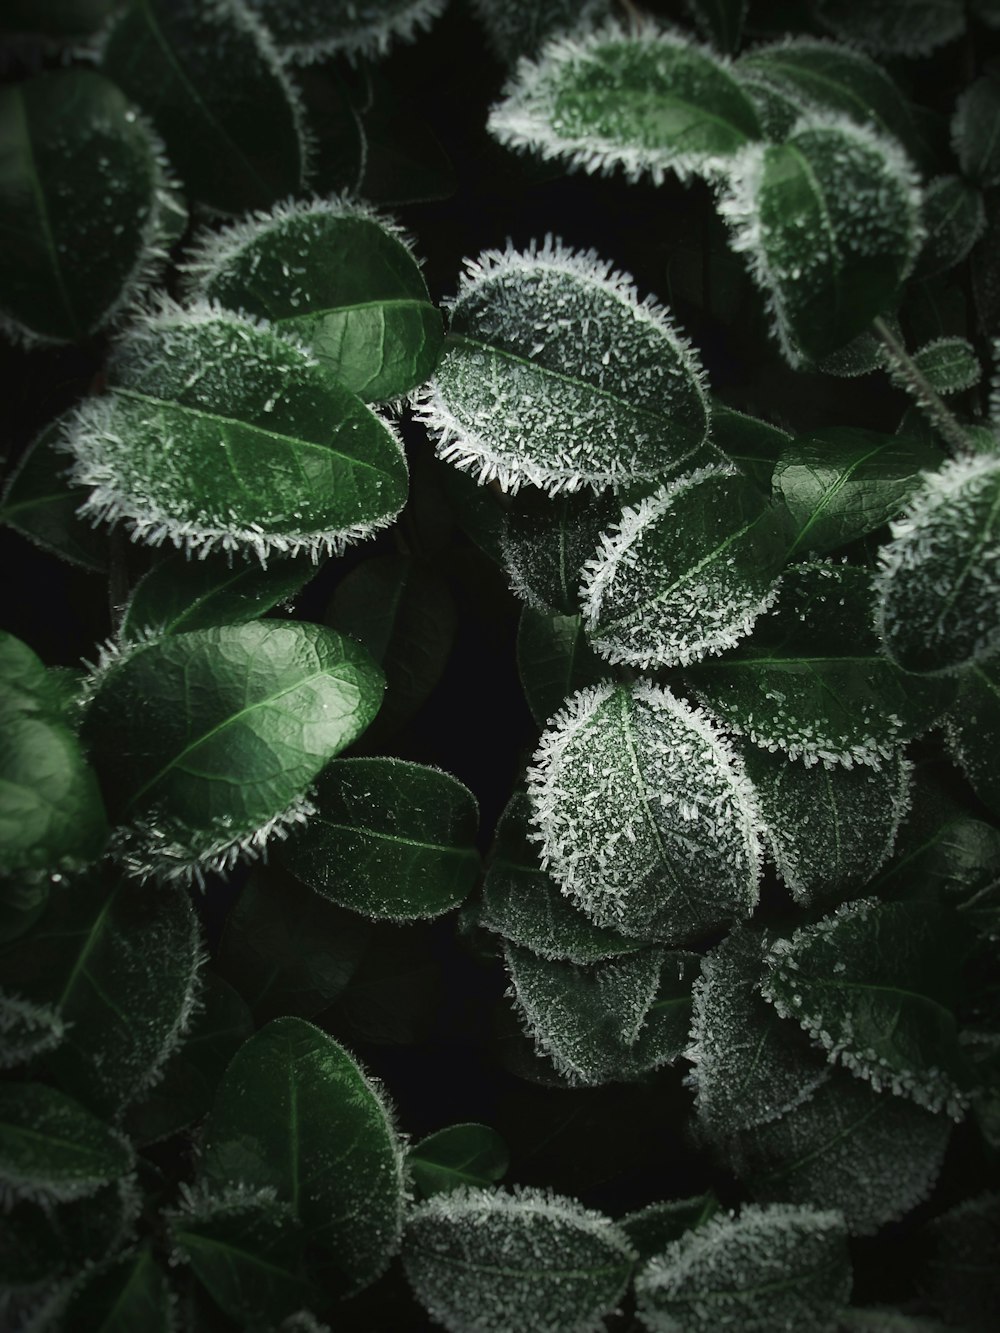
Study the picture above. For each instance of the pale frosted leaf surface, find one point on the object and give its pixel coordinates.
(975, 132)
(311, 29)
(648, 102)
(456, 1157)
(27, 1029)
(830, 223)
(828, 830)
(644, 815)
(868, 1154)
(893, 27)
(545, 543)
(554, 660)
(651, 1229)
(683, 574)
(938, 588)
(482, 1261)
(295, 1113)
(516, 28)
(555, 373)
(207, 742)
(973, 730)
(772, 1268)
(961, 1272)
(954, 218)
(812, 679)
(750, 1065)
(949, 365)
(216, 432)
(874, 984)
(610, 1021)
(524, 905)
(336, 276)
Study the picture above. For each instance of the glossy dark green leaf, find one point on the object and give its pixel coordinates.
(840, 483)
(118, 961)
(546, 542)
(207, 742)
(949, 365)
(973, 729)
(314, 28)
(516, 28)
(295, 1113)
(211, 81)
(126, 1294)
(554, 660)
(338, 278)
(55, 18)
(753, 445)
(389, 839)
(961, 1272)
(975, 132)
(79, 166)
(460, 1155)
(893, 27)
(220, 433)
(954, 218)
(562, 1263)
(40, 504)
(653, 1228)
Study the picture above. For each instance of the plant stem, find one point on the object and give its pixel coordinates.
(913, 378)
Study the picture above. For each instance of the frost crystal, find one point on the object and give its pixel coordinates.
(518, 27)
(27, 1029)
(309, 30)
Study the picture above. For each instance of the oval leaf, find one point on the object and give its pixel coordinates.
(975, 132)
(954, 218)
(949, 365)
(311, 29)
(461, 1155)
(651, 1229)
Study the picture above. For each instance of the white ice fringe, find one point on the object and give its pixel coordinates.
(371, 35)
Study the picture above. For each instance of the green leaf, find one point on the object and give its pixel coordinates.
(839, 483)
(776, 1267)
(207, 742)
(545, 543)
(79, 166)
(644, 813)
(648, 101)
(874, 984)
(938, 588)
(314, 28)
(611, 1021)
(684, 573)
(214, 86)
(52, 1149)
(288, 950)
(179, 594)
(295, 1113)
(975, 132)
(830, 223)
(390, 839)
(949, 365)
(118, 962)
(973, 730)
(719, 21)
(954, 218)
(753, 445)
(893, 27)
(27, 1029)
(338, 278)
(461, 1155)
(829, 693)
(564, 1266)
(869, 1154)
(961, 1270)
(219, 433)
(516, 28)
(125, 1294)
(554, 660)
(653, 1228)
(555, 374)
(525, 906)
(828, 830)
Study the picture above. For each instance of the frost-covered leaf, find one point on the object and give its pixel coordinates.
(750, 1065)
(554, 660)
(954, 218)
(775, 1267)
(335, 276)
(949, 365)
(27, 1029)
(210, 79)
(555, 373)
(295, 1113)
(390, 839)
(311, 29)
(564, 1266)
(207, 742)
(839, 483)
(517, 28)
(893, 27)
(218, 433)
(545, 543)
(118, 962)
(830, 223)
(52, 1149)
(813, 681)
(938, 590)
(79, 165)
(868, 1154)
(828, 829)
(461, 1155)
(649, 101)
(875, 985)
(644, 814)
(975, 132)
(684, 573)
(653, 1228)
(961, 1271)
(610, 1021)
(524, 904)
(973, 730)
(121, 1295)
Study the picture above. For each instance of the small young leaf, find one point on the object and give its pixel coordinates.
(461, 1155)
(975, 132)
(516, 28)
(973, 730)
(563, 1266)
(311, 29)
(954, 218)
(295, 1113)
(207, 742)
(684, 573)
(873, 984)
(390, 839)
(654, 1227)
(893, 27)
(830, 223)
(555, 373)
(336, 277)
(545, 543)
(119, 1296)
(649, 102)
(961, 1271)
(644, 814)
(211, 81)
(949, 365)
(554, 660)
(938, 590)
(770, 1268)
(217, 432)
